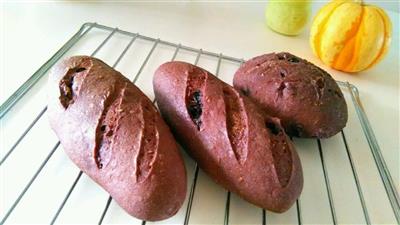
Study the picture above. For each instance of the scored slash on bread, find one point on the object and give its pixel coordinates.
(231, 139)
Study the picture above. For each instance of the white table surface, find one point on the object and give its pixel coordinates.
(32, 32)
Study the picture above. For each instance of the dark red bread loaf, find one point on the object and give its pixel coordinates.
(115, 135)
(241, 148)
(306, 98)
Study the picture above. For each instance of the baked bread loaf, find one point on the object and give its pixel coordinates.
(115, 135)
(232, 140)
(306, 98)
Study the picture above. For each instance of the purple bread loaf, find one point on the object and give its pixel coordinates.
(236, 144)
(306, 99)
(115, 135)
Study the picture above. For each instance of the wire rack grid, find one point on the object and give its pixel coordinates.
(346, 178)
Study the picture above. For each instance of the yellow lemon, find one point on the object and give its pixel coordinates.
(287, 16)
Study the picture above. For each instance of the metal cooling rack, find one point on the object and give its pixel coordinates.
(346, 178)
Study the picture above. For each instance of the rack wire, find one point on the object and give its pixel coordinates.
(303, 212)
